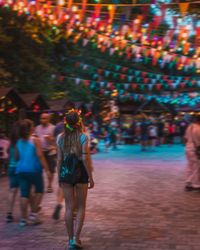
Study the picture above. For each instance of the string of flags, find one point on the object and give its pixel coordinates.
(137, 78)
(177, 47)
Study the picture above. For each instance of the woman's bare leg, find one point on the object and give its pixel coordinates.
(81, 196)
(24, 207)
(11, 199)
(68, 191)
(36, 201)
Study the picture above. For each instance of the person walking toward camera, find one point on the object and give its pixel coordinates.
(192, 139)
(45, 132)
(4, 145)
(75, 174)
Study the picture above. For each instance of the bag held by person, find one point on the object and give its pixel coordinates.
(70, 169)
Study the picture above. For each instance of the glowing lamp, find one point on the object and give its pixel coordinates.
(74, 8)
(136, 21)
(184, 35)
(77, 16)
(61, 2)
(39, 12)
(21, 4)
(51, 17)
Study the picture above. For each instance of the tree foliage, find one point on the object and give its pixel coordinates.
(33, 55)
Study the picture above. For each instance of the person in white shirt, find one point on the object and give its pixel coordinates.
(4, 145)
(192, 139)
(153, 135)
(45, 131)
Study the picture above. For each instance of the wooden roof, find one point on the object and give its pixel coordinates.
(57, 105)
(152, 106)
(14, 95)
(29, 98)
(5, 91)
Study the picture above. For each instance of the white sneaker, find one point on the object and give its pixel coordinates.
(34, 219)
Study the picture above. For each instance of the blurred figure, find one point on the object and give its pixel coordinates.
(161, 133)
(45, 132)
(30, 161)
(113, 137)
(94, 145)
(171, 132)
(153, 135)
(183, 126)
(105, 136)
(13, 177)
(192, 139)
(144, 130)
(4, 145)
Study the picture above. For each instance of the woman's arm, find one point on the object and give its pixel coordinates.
(40, 154)
(59, 158)
(16, 154)
(88, 163)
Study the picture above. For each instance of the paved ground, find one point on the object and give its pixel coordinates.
(138, 204)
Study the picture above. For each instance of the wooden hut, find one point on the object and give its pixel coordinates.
(11, 105)
(10, 100)
(154, 108)
(34, 102)
(35, 105)
(58, 107)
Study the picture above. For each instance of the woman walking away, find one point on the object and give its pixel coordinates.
(75, 172)
(29, 167)
(13, 177)
(192, 138)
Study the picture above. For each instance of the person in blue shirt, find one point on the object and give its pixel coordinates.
(30, 161)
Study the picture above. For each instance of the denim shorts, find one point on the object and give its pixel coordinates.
(27, 180)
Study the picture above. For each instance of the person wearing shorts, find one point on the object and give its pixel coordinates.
(45, 132)
(30, 161)
(74, 141)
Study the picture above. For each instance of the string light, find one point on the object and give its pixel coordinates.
(114, 39)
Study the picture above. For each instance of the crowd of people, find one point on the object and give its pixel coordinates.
(148, 132)
(33, 152)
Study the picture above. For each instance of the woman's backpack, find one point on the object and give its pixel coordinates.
(70, 169)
